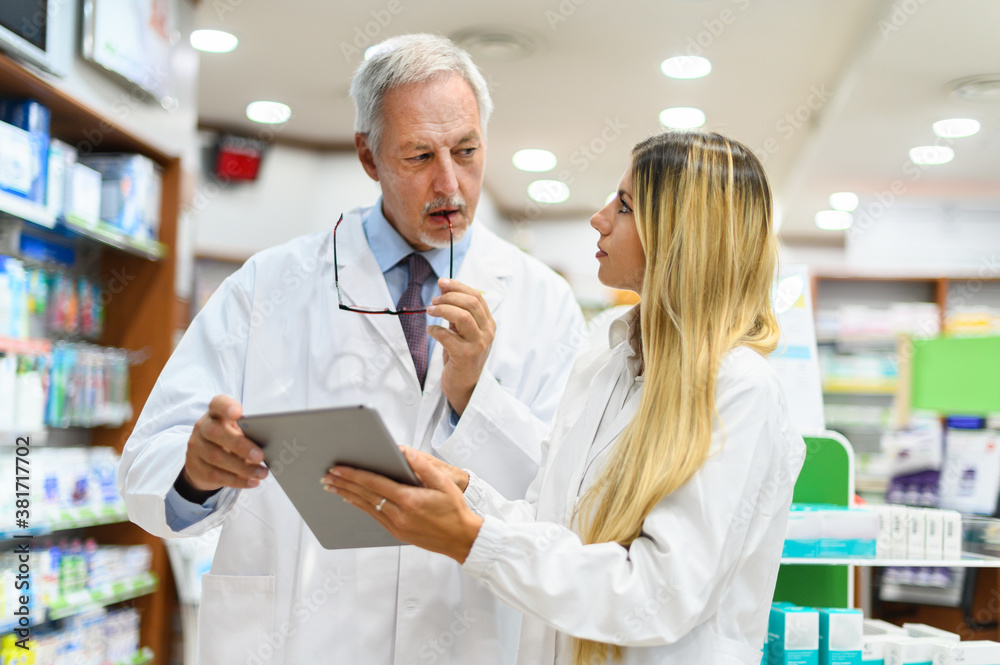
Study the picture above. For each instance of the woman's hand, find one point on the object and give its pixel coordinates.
(433, 517)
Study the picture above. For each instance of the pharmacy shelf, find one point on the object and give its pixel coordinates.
(968, 560)
(140, 657)
(69, 518)
(112, 237)
(843, 387)
(89, 599)
(27, 210)
(25, 347)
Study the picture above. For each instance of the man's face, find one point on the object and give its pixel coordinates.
(430, 161)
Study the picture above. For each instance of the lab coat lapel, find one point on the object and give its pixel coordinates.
(585, 430)
(362, 284)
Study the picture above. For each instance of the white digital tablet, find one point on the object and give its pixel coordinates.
(300, 446)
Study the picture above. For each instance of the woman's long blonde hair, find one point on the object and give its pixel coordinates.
(703, 212)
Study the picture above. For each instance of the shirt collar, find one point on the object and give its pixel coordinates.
(390, 247)
(626, 329)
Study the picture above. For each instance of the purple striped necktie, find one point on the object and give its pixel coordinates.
(415, 325)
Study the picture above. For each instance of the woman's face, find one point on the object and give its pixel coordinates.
(620, 252)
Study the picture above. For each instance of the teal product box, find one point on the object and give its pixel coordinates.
(841, 633)
(849, 533)
(793, 636)
(130, 193)
(32, 117)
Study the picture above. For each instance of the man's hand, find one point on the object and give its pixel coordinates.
(466, 342)
(218, 455)
(456, 475)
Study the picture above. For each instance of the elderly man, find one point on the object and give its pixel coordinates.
(281, 334)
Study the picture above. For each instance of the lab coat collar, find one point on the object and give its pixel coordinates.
(626, 329)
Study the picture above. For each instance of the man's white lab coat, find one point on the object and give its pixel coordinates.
(273, 338)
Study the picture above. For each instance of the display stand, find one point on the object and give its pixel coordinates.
(827, 476)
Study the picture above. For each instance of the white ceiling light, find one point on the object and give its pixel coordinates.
(534, 160)
(984, 88)
(548, 191)
(213, 41)
(686, 67)
(834, 220)
(956, 128)
(931, 154)
(682, 117)
(269, 113)
(496, 44)
(846, 201)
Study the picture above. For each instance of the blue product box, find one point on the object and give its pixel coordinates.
(32, 117)
(841, 636)
(130, 193)
(793, 636)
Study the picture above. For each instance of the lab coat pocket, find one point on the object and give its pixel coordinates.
(236, 619)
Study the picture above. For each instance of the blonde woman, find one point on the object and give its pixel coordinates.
(654, 529)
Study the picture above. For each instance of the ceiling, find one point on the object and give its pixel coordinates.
(832, 93)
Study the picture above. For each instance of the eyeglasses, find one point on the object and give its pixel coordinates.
(384, 310)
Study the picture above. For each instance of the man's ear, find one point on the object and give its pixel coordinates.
(366, 156)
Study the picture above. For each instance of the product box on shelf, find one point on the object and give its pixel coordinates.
(910, 650)
(916, 533)
(15, 161)
(83, 194)
(130, 194)
(840, 636)
(923, 630)
(972, 652)
(876, 634)
(62, 157)
(33, 118)
(793, 635)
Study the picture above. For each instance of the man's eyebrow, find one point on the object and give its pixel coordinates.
(471, 137)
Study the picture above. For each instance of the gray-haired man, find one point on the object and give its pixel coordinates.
(472, 387)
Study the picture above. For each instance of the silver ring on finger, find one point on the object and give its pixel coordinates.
(378, 506)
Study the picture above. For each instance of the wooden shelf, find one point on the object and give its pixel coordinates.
(112, 237)
(140, 312)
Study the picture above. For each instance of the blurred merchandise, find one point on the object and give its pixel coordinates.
(130, 193)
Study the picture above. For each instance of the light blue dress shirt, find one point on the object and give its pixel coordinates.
(390, 250)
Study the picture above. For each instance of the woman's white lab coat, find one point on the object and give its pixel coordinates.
(696, 586)
(274, 338)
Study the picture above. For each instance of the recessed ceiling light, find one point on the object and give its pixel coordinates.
(834, 220)
(846, 201)
(984, 88)
(686, 67)
(269, 113)
(956, 128)
(548, 191)
(534, 160)
(213, 41)
(496, 44)
(931, 154)
(682, 117)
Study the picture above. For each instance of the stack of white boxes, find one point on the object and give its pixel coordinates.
(918, 533)
(919, 644)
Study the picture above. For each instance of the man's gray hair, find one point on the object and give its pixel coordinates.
(410, 59)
